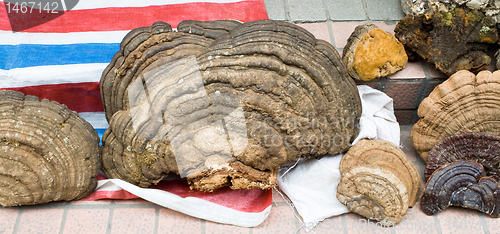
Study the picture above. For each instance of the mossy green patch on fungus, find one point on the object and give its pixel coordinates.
(146, 158)
(446, 18)
(487, 35)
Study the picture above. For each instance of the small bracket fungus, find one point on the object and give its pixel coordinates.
(375, 193)
(461, 183)
(479, 147)
(47, 152)
(462, 103)
(370, 170)
(224, 103)
(451, 41)
(372, 53)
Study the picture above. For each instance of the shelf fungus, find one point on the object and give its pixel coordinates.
(371, 53)
(148, 47)
(250, 98)
(378, 181)
(452, 41)
(461, 183)
(47, 152)
(462, 103)
(375, 193)
(479, 147)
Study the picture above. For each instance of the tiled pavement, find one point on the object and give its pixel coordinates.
(330, 20)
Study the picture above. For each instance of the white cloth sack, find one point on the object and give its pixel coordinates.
(312, 184)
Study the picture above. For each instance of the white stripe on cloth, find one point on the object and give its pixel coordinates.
(54, 74)
(192, 206)
(96, 119)
(93, 4)
(11, 38)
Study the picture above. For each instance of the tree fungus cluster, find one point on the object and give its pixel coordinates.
(458, 137)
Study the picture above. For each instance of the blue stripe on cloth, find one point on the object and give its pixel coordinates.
(100, 131)
(30, 55)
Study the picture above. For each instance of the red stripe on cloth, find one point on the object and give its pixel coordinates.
(80, 97)
(103, 194)
(245, 200)
(127, 18)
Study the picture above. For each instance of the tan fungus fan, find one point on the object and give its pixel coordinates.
(463, 103)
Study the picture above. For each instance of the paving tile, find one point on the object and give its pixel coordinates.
(378, 84)
(330, 225)
(342, 31)
(357, 224)
(431, 86)
(217, 228)
(319, 30)
(407, 146)
(170, 221)
(420, 165)
(386, 27)
(7, 220)
(275, 9)
(493, 224)
(413, 70)
(280, 220)
(405, 117)
(277, 198)
(133, 220)
(340, 53)
(132, 201)
(384, 10)
(98, 202)
(86, 221)
(415, 221)
(306, 11)
(40, 221)
(458, 220)
(345, 9)
(406, 95)
(434, 72)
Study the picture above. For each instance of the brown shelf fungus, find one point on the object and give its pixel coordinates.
(479, 147)
(452, 41)
(461, 183)
(47, 152)
(149, 46)
(462, 103)
(386, 155)
(375, 193)
(371, 53)
(260, 95)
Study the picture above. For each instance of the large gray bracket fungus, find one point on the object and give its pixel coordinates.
(144, 46)
(47, 152)
(461, 183)
(230, 114)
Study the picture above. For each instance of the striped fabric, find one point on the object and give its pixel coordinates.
(62, 59)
